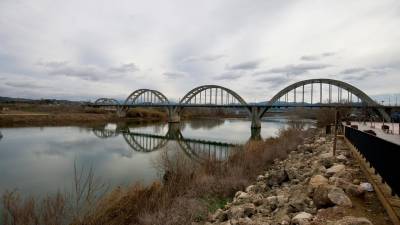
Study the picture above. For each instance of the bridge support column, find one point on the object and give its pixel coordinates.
(174, 129)
(173, 115)
(255, 134)
(255, 118)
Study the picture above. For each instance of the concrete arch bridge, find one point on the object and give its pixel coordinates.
(313, 93)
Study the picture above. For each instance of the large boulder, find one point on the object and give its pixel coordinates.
(328, 195)
(338, 197)
(350, 220)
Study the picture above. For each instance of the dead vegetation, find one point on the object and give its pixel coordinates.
(189, 190)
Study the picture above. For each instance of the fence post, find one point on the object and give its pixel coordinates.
(335, 132)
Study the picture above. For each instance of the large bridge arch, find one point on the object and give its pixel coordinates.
(366, 100)
(218, 96)
(146, 96)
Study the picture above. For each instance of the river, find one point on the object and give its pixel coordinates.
(40, 160)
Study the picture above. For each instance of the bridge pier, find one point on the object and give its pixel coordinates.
(255, 134)
(174, 130)
(255, 118)
(173, 115)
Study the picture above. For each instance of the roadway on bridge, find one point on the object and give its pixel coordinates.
(395, 137)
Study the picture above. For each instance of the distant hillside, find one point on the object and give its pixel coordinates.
(39, 101)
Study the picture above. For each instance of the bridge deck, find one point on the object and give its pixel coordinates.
(155, 105)
(395, 137)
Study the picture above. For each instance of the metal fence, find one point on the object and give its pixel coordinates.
(382, 155)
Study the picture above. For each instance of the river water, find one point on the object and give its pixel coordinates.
(39, 160)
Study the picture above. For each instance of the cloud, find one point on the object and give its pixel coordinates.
(229, 76)
(125, 68)
(24, 84)
(86, 72)
(273, 81)
(204, 58)
(352, 70)
(358, 74)
(174, 75)
(316, 57)
(298, 69)
(249, 65)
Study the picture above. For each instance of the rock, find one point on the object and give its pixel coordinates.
(327, 195)
(350, 220)
(260, 178)
(341, 158)
(241, 221)
(241, 197)
(326, 159)
(349, 188)
(249, 209)
(277, 177)
(320, 196)
(272, 200)
(366, 187)
(297, 205)
(292, 172)
(240, 211)
(335, 169)
(356, 181)
(301, 218)
(338, 197)
(235, 212)
(220, 216)
(317, 180)
(281, 199)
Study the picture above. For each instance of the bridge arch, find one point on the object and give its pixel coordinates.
(351, 90)
(213, 95)
(146, 96)
(106, 101)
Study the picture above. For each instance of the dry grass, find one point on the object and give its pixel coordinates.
(147, 113)
(190, 191)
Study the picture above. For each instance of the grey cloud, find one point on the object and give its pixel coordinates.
(274, 80)
(298, 69)
(206, 58)
(125, 68)
(86, 72)
(249, 65)
(326, 54)
(358, 74)
(352, 70)
(24, 84)
(316, 57)
(174, 75)
(229, 76)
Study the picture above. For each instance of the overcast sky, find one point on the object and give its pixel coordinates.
(82, 50)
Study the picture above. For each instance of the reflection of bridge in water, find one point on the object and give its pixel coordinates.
(196, 149)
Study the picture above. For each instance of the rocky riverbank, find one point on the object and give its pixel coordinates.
(311, 186)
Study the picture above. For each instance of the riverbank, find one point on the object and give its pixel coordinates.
(59, 116)
(309, 187)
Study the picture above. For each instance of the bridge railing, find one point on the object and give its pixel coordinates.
(382, 155)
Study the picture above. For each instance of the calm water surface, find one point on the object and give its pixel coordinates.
(41, 159)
